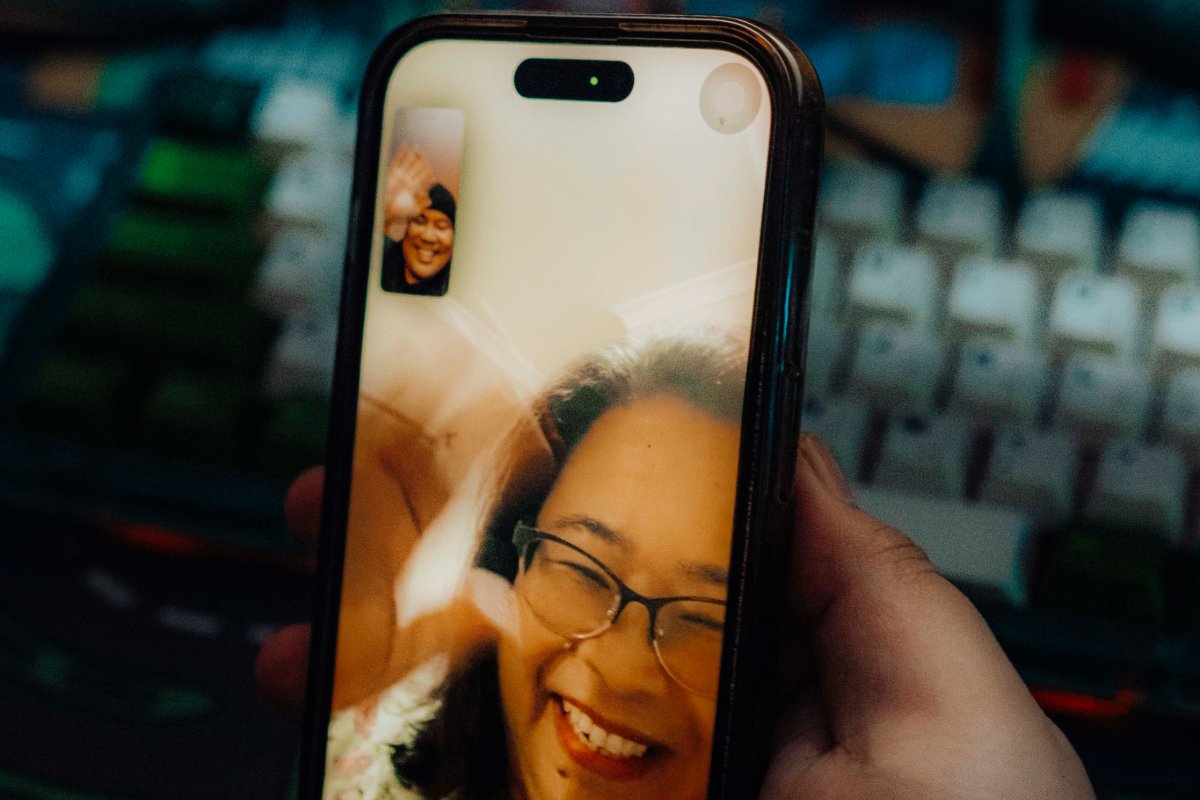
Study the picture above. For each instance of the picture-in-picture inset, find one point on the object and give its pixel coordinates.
(420, 200)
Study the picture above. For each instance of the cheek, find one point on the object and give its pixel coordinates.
(516, 696)
(704, 713)
(522, 662)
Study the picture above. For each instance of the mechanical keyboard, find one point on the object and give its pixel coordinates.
(1015, 382)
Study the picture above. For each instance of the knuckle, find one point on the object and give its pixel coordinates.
(899, 554)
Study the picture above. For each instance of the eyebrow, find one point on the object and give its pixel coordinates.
(596, 527)
(706, 573)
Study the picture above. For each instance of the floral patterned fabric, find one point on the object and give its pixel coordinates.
(361, 742)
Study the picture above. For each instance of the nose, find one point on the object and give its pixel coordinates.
(623, 656)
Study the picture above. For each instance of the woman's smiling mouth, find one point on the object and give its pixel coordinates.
(597, 738)
(591, 742)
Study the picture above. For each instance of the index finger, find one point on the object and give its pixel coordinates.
(302, 506)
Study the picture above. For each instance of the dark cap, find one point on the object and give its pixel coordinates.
(441, 200)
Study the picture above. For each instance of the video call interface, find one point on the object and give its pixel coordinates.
(548, 429)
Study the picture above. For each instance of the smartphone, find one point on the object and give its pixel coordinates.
(565, 410)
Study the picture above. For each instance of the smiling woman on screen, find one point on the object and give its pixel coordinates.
(610, 526)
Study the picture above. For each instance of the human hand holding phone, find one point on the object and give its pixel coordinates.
(904, 693)
(911, 695)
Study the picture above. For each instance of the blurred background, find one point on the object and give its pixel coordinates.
(1004, 353)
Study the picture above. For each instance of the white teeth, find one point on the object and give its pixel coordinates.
(596, 738)
(579, 720)
(615, 745)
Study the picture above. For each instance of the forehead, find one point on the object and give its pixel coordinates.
(435, 216)
(660, 473)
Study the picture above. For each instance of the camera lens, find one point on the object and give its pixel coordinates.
(730, 98)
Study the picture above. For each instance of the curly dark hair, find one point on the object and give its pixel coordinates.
(461, 753)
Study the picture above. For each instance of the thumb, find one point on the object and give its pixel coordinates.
(892, 638)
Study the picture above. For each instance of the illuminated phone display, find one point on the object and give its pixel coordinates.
(560, 296)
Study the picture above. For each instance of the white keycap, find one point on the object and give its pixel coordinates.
(1177, 331)
(301, 271)
(861, 201)
(311, 189)
(1060, 232)
(1181, 413)
(110, 589)
(993, 297)
(301, 361)
(823, 356)
(897, 369)
(958, 218)
(190, 621)
(891, 283)
(1033, 471)
(1101, 396)
(981, 545)
(1160, 246)
(840, 422)
(1141, 486)
(999, 380)
(825, 289)
(340, 138)
(295, 113)
(1095, 314)
(926, 455)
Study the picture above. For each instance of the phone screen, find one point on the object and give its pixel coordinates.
(550, 399)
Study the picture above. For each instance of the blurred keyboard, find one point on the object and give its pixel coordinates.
(168, 293)
(1015, 382)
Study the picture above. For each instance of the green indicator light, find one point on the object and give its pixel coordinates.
(593, 80)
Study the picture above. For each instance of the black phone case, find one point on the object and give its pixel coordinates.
(746, 708)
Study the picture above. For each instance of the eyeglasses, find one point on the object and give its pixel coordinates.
(577, 596)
